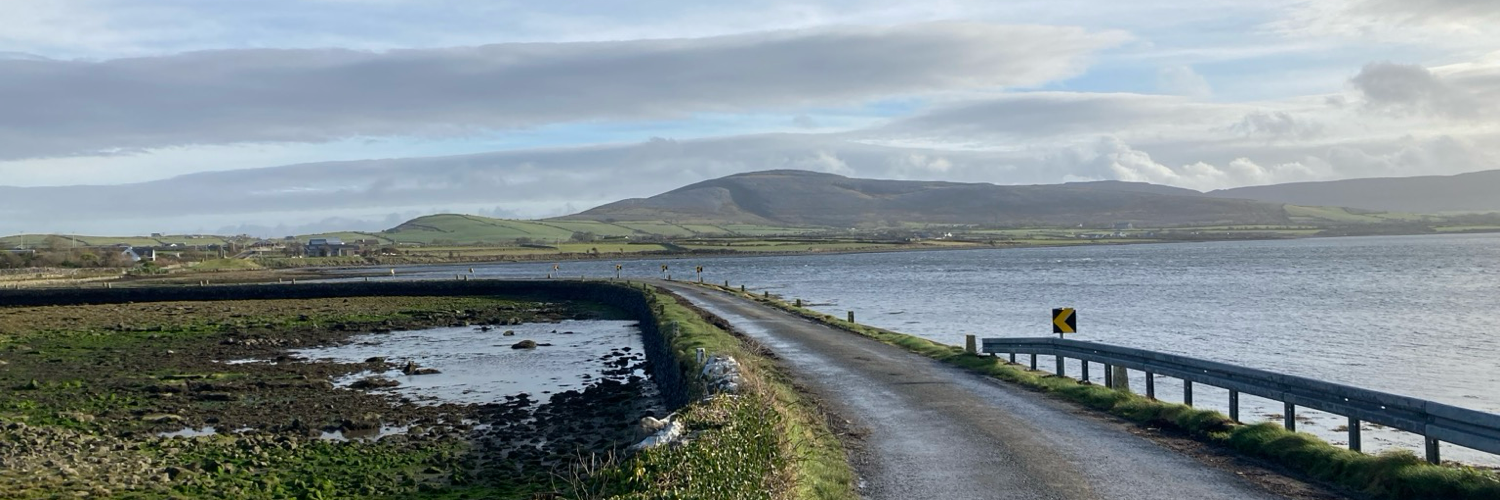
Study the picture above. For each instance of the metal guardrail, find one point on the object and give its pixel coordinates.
(1436, 422)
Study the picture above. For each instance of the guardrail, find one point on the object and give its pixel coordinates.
(1436, 422)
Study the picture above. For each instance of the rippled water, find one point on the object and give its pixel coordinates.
(1414, 315)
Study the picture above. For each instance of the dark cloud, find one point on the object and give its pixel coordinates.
(54, 108)
(1413, 89)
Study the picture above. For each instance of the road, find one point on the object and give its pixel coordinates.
(935, 431)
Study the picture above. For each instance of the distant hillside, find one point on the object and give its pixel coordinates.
(1135, 187)
(800, 198)
(1429, 194)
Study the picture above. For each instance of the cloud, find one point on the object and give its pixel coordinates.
(58, 108)
(1412, 89)
(1276, 126)
(1463, 24)
(1182, 80)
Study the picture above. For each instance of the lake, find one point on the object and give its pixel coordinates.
(1413, 315)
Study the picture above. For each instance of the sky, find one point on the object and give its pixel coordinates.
(278, 116)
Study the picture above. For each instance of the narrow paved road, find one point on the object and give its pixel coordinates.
(938, 432)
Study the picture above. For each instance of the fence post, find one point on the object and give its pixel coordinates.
(1122, 379)
(1187, 392)
(1290, 417)
(1354, 440)
(1234, 405)
(1150, 385)
(1432, 451)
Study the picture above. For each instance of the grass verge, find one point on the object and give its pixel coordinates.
(766, 442)
(1394, 475)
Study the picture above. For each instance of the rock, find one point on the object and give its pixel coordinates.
(215, 396)
(374, 383)
(376, 359)
(509, 333)
(524, 344)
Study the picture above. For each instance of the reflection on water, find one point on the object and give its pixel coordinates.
(477, 366)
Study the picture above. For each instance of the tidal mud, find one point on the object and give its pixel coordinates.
(235, 398)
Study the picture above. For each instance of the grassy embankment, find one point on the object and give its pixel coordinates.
(768, 442)
(1391, 475)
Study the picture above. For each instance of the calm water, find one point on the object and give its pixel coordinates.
(1414, 315)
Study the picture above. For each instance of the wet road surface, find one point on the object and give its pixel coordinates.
(935, 431)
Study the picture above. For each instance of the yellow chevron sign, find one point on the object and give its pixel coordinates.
(1064, 320)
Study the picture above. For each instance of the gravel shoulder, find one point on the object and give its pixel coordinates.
(926, 429)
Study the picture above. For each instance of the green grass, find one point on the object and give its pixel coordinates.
(818, 468)
(1393, 475)
(226, 265)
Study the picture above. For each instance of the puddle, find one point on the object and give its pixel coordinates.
(245, 361)
(478, 367)
(364, 434)
(189, 432)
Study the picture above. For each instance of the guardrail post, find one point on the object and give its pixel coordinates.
(1354, 441)
(1432, 451)
(1150, 386)
(1085, 364)
(1061, 372)
(1234, 405)
(1187, 392)
(1033, 362)
(1109, 376)
(851, 316)
(1012, 357)
(1291, 417)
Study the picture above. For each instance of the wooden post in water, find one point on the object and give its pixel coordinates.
(1150, 386)
(1354, 440)
(1432, 452)
(1187, 392)
(1234, 405)
(1290, 417)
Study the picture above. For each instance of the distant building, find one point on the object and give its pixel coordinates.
(154, 235)
(137, 254)
(1122, 226)
(329, 247)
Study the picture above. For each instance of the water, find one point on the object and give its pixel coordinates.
(1413, 315)
(478, 367)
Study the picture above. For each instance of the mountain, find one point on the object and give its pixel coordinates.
(1428, 194)
(794, 197)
